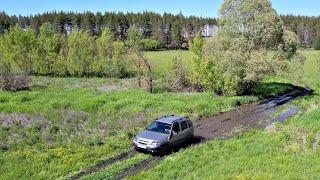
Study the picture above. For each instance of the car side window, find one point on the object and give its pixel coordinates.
(176, 127)
(184, 125)
(189, 124)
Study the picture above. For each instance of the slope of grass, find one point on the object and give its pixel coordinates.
(287, 151)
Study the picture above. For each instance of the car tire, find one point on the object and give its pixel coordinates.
(165, 150)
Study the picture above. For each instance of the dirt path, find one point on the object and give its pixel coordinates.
(144, 165)
(254, 115)
(106, 163)
(222, 126)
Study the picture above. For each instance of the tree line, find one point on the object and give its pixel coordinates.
(80, 54)
(307, 28)
(168, 29)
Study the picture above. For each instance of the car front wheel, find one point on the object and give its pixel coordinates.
(165, 150)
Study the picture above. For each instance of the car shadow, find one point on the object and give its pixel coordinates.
(193, 141)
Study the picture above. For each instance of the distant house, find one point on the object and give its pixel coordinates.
(209, 30)
(68, 28)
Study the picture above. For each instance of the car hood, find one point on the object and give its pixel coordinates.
(153, 136)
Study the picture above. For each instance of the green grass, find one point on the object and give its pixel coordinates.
(64, 125)
(162, 60)
(286, 151)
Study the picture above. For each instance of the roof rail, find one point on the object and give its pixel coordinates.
(165, 116)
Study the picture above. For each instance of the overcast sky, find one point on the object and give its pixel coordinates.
(206, 8)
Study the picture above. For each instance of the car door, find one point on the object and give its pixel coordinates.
(190, 128)
(175, 139)
(184, 131)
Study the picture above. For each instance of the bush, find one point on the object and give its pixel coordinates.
(290, 43)
(177, 80)
(12, 82)
(150, 45)
(317, 44)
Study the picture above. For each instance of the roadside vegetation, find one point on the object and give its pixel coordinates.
(69, 102)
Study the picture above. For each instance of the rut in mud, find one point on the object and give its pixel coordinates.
(222, 126)
(106, 163)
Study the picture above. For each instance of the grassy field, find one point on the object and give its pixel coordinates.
(283, 151)
(162, 60)
(64, 125)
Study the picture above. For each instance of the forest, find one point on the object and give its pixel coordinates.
(167, 29)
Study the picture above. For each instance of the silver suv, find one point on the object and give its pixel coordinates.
(164, 134)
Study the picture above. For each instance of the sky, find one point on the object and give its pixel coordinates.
(204, 8)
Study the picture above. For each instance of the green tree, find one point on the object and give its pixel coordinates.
(317, 44)
(206, 73)
(88, 22)
(59, 67)
(177, 38)
(104, 45)
(141, 64)
(119, 65)
(48, 49)
(19, 48)
(251, 28)
(134, 45)
(80, 53)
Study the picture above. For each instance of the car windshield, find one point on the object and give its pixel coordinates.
(160, 127)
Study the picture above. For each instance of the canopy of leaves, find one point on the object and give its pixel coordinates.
(251, 45)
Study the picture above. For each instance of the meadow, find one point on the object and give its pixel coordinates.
(61, 126)
(64, 125)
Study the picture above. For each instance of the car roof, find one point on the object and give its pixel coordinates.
(170, 119)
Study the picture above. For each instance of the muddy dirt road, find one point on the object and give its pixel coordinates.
(223, 126)
(254, 115)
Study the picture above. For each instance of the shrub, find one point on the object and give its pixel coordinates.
(290, 43)
(206, 72)
(177, 80)
(13, 82)
(150, 45)
(317, 44)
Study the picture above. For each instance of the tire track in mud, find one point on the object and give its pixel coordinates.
(104, 164)
(144, 165)
(222, 126)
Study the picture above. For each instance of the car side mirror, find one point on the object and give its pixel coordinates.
(174, 133)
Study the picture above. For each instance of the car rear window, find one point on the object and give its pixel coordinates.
(184, 125)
